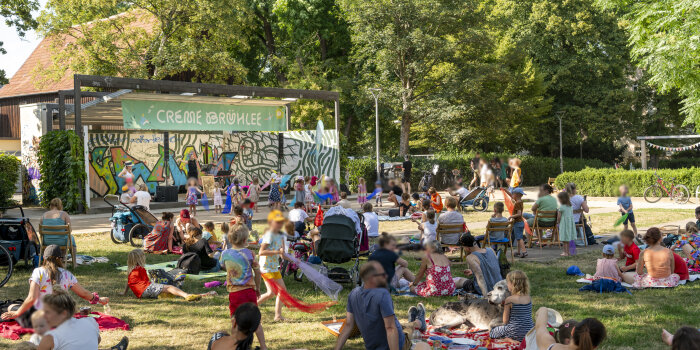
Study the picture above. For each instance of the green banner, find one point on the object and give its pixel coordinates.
(162, 115)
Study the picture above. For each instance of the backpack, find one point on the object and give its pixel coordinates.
(190, 262)
(167, 278)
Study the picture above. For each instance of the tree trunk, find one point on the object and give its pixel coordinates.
(405, 124)
(271, 49)
(323, 46)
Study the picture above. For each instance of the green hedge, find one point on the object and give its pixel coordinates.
(62, 169)
(9, 174)
(605, 182)
(536, 170)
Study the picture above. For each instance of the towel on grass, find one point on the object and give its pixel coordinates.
(13, 331)
(168, 265)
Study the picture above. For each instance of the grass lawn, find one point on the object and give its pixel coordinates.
(634, 322)
(603, 223)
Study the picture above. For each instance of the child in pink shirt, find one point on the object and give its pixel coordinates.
(607, 267)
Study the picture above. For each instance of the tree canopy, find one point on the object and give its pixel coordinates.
(455, 75)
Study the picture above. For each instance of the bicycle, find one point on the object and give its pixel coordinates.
(426, 181)
(6, 265)
(678, 193)
(301, 252)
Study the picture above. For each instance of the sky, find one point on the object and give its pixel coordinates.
(18, 49)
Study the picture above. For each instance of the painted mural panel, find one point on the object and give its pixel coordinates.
(245, 154)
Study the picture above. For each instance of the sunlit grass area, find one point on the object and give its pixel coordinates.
(633, 321)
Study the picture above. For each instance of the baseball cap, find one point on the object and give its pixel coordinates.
(276, 215)
(518, 190)
(608, 249)
(53, 251)
(185, 214)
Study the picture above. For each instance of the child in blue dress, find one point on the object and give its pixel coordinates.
(192, 191)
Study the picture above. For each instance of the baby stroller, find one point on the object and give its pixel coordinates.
(129, 224)
(17, 242)
(476, 198)
(339, 244)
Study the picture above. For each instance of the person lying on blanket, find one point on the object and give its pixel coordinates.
(141, 285)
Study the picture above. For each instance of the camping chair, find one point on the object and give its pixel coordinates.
(507, 228)
(538, 231)
(581, 229)
(550, 181)
(445, 229)
(59, 230)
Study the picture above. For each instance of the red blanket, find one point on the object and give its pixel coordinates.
(481, 336)
(12, 330)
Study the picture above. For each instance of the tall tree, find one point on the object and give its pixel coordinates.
(663, 35)
(582, 52)
(162, 39)
(18, 14)
(404, 47)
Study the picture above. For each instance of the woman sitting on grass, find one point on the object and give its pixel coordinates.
(47, 277)
(139, 282)
(195, 243)
(436, 269)
(160, 240)
(658, 262)
(586, 335)
(245, 320)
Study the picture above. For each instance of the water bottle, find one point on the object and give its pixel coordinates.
(107, 309)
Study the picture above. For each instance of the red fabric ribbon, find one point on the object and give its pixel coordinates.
(293, 303)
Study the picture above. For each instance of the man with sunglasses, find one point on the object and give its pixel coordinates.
(370, 307)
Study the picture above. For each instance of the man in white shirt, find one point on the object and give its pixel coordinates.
(371, 221)
(142, 197)
(299, 217)
(459, 192)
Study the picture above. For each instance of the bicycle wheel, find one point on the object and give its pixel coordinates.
(137, 233)
(680, 194)
(6, 265)
(653, 193)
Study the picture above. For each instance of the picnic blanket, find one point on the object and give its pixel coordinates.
(169, 265)
(589, 279)
(392, 218)
(469, 338)
(13, 331)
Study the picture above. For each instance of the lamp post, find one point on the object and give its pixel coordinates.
(375, 93)
(561, 144)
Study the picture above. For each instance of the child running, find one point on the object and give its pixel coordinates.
(271, 250)
(378, 197)
(565, 220)
(192, 191)
(141, 285)
(607, 266)
(517, 312)
(624, 203)
(242, 274)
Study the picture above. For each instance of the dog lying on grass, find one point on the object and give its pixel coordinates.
(484, 313)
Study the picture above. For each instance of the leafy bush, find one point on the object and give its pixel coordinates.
(535, 170)
(62, 168)
(9, 174)
(605, 182)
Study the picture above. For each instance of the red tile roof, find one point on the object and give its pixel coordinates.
(24, 81)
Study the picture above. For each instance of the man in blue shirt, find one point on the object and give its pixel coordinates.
(370, 307)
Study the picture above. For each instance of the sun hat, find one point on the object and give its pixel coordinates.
(518, 190)
(574, 270)
(276, 216)
(53, 251)
(184, 214)
(608, 249)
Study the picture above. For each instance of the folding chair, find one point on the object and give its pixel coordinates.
(450, 229)
(581, 229)
(58, 230)
(538, 230)
(506, 228)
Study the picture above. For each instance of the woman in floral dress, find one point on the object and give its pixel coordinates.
(436, 269)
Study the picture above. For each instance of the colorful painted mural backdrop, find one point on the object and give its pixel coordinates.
(245, 154)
